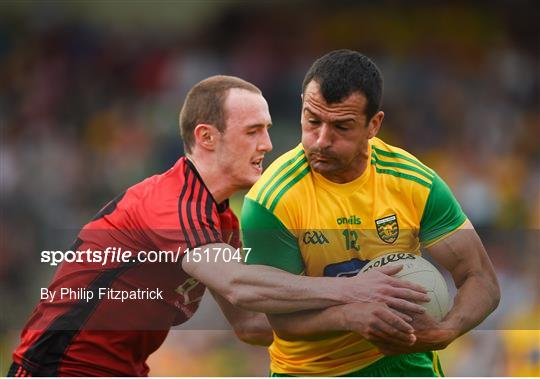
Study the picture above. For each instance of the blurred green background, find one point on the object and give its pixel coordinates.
(89, 98)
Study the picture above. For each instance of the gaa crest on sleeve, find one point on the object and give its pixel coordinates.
(387, 228)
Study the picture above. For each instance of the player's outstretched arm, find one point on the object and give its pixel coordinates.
(374, 321)
(267, 289)
(259, 288)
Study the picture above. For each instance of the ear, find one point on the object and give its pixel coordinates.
(206, 136)
(375, 124)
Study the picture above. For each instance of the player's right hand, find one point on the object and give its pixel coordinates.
(379, 324)
(378, 286)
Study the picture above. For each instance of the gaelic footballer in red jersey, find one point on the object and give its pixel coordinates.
(90, 330)
(75, 335)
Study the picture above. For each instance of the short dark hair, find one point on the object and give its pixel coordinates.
(340, 73)
(204, 104)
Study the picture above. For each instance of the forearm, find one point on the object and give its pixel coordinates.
(266, 289)
(309, 325)
(374, 321)
(478, 290)
(476, 298)
(269, 290)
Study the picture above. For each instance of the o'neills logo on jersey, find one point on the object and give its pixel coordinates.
(352, 220)
(387, 228)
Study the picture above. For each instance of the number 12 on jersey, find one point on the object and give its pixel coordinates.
(351, 240)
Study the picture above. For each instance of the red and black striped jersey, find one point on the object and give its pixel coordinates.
(103, 336)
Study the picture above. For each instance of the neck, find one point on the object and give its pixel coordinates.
(212, 177)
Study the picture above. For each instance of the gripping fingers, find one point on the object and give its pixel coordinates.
(393, 321)
(408, 294)
(392, 328)
(404, 305)
(388, 319)
(408, 319)
(399, 283)
(386, 334)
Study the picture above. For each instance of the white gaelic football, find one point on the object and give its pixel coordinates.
(418, 270)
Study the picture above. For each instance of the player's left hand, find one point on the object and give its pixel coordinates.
(430, 335)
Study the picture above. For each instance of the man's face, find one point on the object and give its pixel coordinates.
(245, 141)
(335, 136)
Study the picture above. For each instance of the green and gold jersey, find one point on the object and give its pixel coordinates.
(296, 220)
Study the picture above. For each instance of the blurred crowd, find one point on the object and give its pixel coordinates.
(88, 109)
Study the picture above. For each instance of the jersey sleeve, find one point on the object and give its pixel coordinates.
(442, 213)
(271, 243)
(199, 219)
(230, 228)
